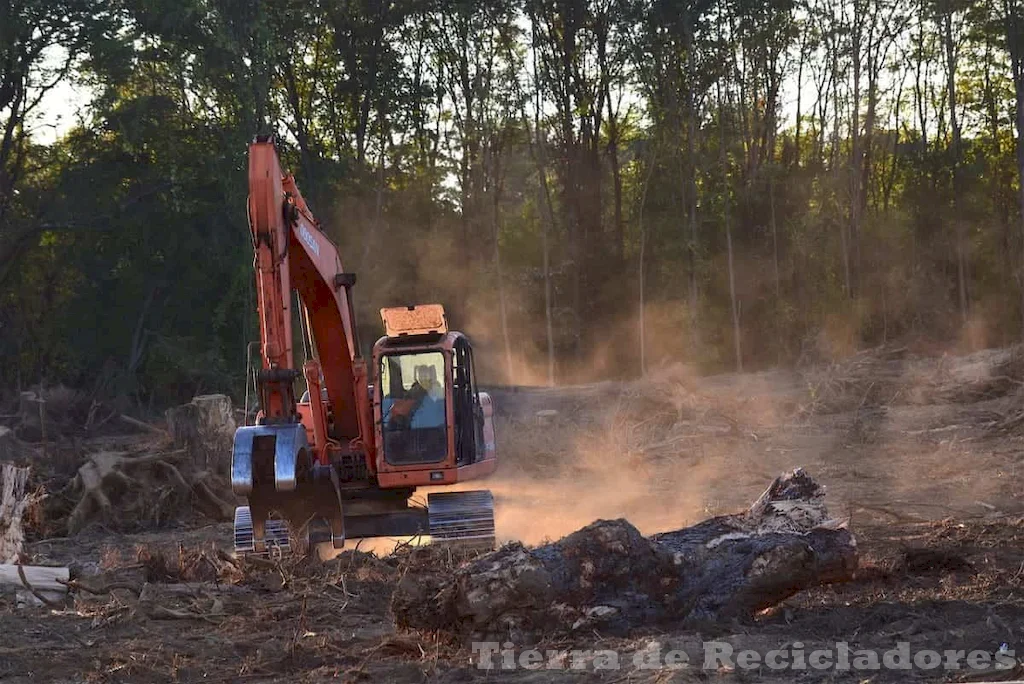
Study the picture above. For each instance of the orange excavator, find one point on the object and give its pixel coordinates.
(343, 460)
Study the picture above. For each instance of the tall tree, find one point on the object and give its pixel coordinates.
(41, 42)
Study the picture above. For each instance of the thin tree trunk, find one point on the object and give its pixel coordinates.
(961, 247)
(378, 211)
(540, 157)
(641, 269)
(1014, 22)
(495, 165)
(890, 181)
(691, 168)
(613, 156)
(836, 170)
(548, 328)
(775, 238)
(737, 344)
(856, 152)
(799, 92)
(919, 83)
(302, 136)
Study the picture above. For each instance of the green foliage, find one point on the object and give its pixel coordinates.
(526, 163)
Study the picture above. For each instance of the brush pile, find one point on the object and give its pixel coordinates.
(891, 376)
(608, 576)
(89, 462)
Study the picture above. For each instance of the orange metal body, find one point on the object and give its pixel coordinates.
(292, 252)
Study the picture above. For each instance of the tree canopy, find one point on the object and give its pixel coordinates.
(591, 187)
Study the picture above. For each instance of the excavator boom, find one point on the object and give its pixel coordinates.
(292, 252)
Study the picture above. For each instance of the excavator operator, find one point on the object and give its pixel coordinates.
(420, 406)
(426, 377)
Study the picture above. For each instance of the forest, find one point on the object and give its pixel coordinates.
(593, 188)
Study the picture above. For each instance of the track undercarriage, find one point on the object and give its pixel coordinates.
(464, 519)
(293, 503)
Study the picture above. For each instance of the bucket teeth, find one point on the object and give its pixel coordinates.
(462, 518)
(275, 537)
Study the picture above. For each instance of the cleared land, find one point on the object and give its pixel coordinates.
(920, 454)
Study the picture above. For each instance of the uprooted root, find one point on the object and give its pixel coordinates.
(146, 487)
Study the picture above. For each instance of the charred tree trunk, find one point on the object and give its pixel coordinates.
(608, 576)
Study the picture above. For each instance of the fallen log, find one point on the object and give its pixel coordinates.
(41, 578)
(607, 576)
(142, 425)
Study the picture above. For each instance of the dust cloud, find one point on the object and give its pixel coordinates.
(673, 446)
(654, 452)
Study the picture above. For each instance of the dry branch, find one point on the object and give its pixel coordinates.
(142, 425)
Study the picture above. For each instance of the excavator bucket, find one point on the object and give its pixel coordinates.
(271, 466)
(284, 445)
(312, 512)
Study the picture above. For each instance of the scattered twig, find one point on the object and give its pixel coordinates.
(80, 585)
(142, 425)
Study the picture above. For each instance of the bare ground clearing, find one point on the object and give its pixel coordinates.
(921, 454)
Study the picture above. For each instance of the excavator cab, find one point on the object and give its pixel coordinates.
(433, 424)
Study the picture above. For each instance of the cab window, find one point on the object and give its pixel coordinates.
(413, 418)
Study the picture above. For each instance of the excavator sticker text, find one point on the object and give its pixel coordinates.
(310, 241)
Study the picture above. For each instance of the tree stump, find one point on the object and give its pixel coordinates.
(607, 576)
(206, 427)
(13, 503)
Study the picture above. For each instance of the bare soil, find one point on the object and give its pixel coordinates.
(921, 455)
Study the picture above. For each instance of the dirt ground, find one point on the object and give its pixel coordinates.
(920, 454)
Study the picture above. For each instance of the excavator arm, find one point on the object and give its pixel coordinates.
(279, 464)
(292, 252)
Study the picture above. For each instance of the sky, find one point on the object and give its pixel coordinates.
(62, 108)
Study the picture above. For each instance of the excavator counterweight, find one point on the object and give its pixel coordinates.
(344, 459)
